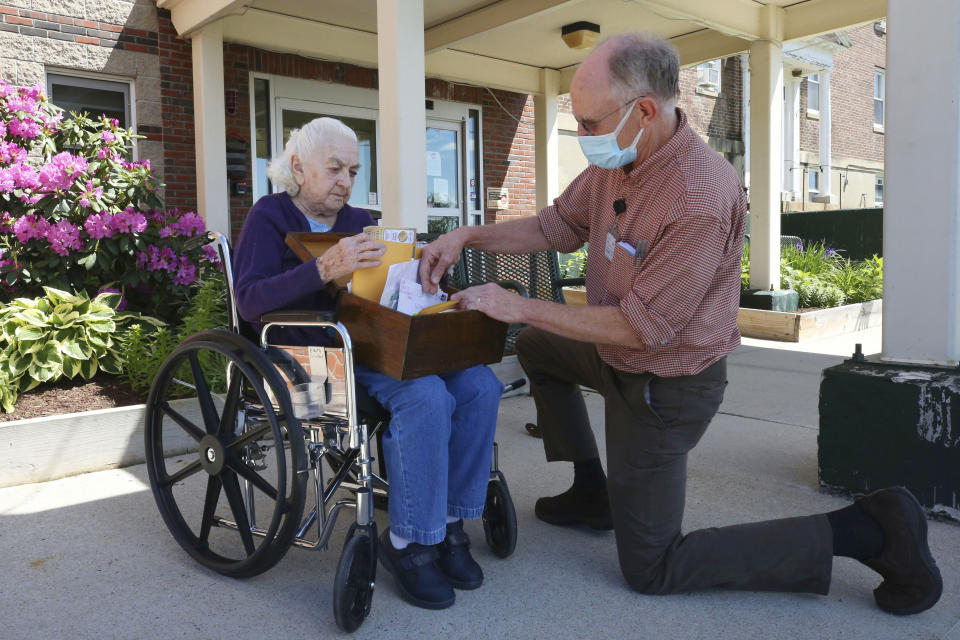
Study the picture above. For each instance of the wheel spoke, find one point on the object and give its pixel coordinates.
(193, 430)
(209, 507)
(249, 436)
(182, 474)
(228, 419)
(232, 487)
(253, 477)
(210, 418)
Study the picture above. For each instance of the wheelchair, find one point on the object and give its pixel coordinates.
(230, 461)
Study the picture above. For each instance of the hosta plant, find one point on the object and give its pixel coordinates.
(59, 334)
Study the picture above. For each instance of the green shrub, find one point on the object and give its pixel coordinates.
(821, 277)
(143, 353)
(58, 335)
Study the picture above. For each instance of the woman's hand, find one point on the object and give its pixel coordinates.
(348, 255)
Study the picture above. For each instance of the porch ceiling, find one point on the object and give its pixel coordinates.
(504, 43)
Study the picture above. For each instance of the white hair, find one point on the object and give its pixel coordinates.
(305, 142)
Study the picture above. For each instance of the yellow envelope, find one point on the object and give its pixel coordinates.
(368, 283)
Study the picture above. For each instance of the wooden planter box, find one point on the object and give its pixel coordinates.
(403, 346)
(794, 327)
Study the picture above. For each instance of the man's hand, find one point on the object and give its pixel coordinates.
(493, 300)
(348, 255)
(436, 258)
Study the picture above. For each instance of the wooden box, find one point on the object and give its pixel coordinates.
(403, 346)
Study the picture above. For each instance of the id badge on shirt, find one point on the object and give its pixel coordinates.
(611, 244)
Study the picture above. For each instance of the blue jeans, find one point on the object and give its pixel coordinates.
(437, 447)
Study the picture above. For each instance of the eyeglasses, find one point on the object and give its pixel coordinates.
(589, 127)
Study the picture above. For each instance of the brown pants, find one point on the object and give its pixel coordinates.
(647, 446)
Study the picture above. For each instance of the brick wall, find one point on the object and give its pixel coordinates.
(714, 116)
(509, 153)
(177, 135)
(851, 88)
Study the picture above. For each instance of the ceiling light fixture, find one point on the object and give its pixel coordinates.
(580, 35)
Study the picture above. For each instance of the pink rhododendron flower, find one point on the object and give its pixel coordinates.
(23, 104)
(23, 128)
(98, 225)
(88, 193)
(30, 227)
(128, 221)
(7, 181)
(63, 237)
(25, 176)
(10, 152)
(5, 89)
(142, 259)
(3, 129)
(114, 123)
(190, 224)
(211, 253)
(108, 137)
(6, 222)
(186, 272)
(34, 93)
(61, 171)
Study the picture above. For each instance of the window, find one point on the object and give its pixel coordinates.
(879, 91)
(813, 181)
(708, 76)
(94, 95)
(878, 191)
(813, 92)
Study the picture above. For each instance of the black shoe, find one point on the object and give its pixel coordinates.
(533, 429)
(455, 561)
(911, 579)
(415, 571)
(577, 506)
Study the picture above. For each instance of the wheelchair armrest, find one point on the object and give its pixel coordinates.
(305, 315)
(515, 286)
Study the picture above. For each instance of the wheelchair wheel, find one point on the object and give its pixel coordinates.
(499, 517)
(213, 402)
(356, 574)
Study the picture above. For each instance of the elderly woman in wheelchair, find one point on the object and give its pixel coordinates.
(439, 441)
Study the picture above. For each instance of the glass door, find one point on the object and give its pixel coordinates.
(444, 176)
(293, 114)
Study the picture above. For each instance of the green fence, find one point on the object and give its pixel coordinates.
(857, 232)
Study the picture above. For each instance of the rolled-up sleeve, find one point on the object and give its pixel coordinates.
(566, 223)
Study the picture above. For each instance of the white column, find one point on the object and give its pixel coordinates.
(792, 176)
(210, 129)
(921, 217)
(547, 138)
(825, 145)
(745, 115)
(766, 115)
(403, 121)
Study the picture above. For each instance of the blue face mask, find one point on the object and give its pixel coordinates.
(605, 152)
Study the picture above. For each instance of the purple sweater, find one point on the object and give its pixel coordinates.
(269, 277)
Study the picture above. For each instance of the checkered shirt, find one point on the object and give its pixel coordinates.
(686, 206)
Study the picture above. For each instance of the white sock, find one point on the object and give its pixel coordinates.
(451, 519)
(398, 542)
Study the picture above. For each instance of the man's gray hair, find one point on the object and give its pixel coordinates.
(644, 64)
(306, 143)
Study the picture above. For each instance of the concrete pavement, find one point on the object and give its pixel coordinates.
(89, 557)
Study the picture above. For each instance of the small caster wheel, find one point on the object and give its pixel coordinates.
(499, 517)
(356, 575)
